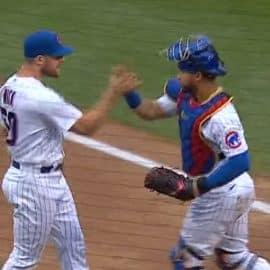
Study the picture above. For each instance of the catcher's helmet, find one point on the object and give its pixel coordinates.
(196, 54)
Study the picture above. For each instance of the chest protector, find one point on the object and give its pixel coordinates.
(198, 157)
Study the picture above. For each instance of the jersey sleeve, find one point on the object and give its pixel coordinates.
(168, 101)
(66, 117)
(168, 106)
(55, 109)
(225, 131)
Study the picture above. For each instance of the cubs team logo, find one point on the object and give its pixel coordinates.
(233, 140)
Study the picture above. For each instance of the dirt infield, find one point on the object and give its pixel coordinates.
(125, 226)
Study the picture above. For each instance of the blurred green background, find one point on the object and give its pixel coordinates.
(107, 32)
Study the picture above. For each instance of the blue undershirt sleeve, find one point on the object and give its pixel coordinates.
(229, 169)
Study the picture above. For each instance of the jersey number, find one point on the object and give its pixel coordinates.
(10, 121)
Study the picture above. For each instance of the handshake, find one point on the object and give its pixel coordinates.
(122, 81)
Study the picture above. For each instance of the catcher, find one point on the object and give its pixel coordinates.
(215, 160)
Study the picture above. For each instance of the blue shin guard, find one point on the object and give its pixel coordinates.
(177, 263)
(177, 258)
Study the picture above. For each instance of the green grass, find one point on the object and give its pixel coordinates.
(107, 32)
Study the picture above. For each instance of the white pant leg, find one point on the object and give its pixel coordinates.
(34, 210)
(67, 234)
(236, 252)
(211, 215)
(236, 237)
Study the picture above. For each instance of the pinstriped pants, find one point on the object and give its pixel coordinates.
(43, 208)
(219, 219)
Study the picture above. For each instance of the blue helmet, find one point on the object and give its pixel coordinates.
(196, 54)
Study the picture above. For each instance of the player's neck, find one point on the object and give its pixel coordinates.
(205, 90)
(29, 70)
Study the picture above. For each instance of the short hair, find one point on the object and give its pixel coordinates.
(29, 59)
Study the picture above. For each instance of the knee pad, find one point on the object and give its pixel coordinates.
(185, 258)
(261, 264)
(235, 261)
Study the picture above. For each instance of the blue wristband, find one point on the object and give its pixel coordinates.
(133, 99)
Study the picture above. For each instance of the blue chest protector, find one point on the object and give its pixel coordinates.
(198, 158)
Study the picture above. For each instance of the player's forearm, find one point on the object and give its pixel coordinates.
(149, 110)
(144, 108)
(121, 81)
(226, 172)
(94, 118)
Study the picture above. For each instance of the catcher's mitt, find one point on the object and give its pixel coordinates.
(171, 183)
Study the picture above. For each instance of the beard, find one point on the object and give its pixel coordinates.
(186, 89)
(191, 90)
(50, 71)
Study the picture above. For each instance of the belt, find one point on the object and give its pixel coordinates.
(44, 169)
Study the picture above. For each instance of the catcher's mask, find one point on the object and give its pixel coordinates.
(196, 54)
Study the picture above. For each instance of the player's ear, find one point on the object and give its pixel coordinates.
(198, 76)
(40, 60)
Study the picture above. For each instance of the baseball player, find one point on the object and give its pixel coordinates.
(37, 119)
(215, 160)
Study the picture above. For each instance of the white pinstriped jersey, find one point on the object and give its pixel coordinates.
(223, 131)
(37, 119)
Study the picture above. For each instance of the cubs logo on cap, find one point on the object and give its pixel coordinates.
(233, 140)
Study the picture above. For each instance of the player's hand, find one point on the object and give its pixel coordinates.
(123, 81)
